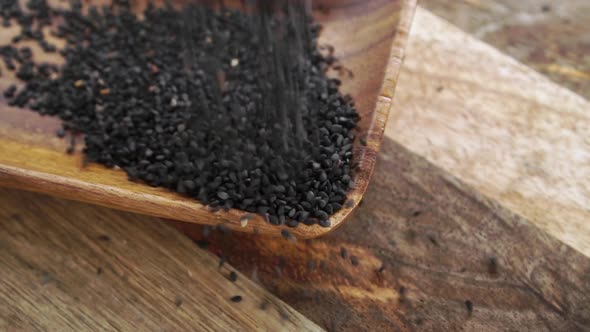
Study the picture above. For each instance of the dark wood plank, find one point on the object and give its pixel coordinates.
(440, 244)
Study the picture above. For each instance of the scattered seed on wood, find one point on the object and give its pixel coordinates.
(354, 260)
(104, 237)
(469, 306)
(233, 276)
(343, 253)
(493, 266)
(264, 304)
(9, 92)
(203, 244)
(283, 313)
(432, 240)
(236, 298)
(288, 236)
(99, 271)
(72, 145)
(178, 302)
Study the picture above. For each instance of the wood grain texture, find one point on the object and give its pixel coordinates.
(549, 36)
(369, 38)
(70, 266)
(439, 240)
(504, 129)
(440, 244)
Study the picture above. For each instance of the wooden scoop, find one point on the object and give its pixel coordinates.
(368, 36)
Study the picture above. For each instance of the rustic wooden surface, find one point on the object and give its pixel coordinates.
(440, 241)
(549, 36)
(504, 129)
(70, 266)
(369, 38)
(440, 244)
(427, 241)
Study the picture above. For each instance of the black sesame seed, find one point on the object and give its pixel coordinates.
(190, 114)
(222, 195)
(343, 253)
(354, 260)
(493, 266)
(264, 304)
(285, 233)
(203, 244)
(469, 306)
(236, 298)
(233, 276)
(104, 238)
(9, 92)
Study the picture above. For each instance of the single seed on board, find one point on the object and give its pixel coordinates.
(236, 298)
(343, 253)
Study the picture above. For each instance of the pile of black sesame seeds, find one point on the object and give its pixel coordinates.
(230, 107)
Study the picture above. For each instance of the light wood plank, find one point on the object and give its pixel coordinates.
(70, 266)
(498, 125)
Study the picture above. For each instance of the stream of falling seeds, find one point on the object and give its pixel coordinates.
(230, 107)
